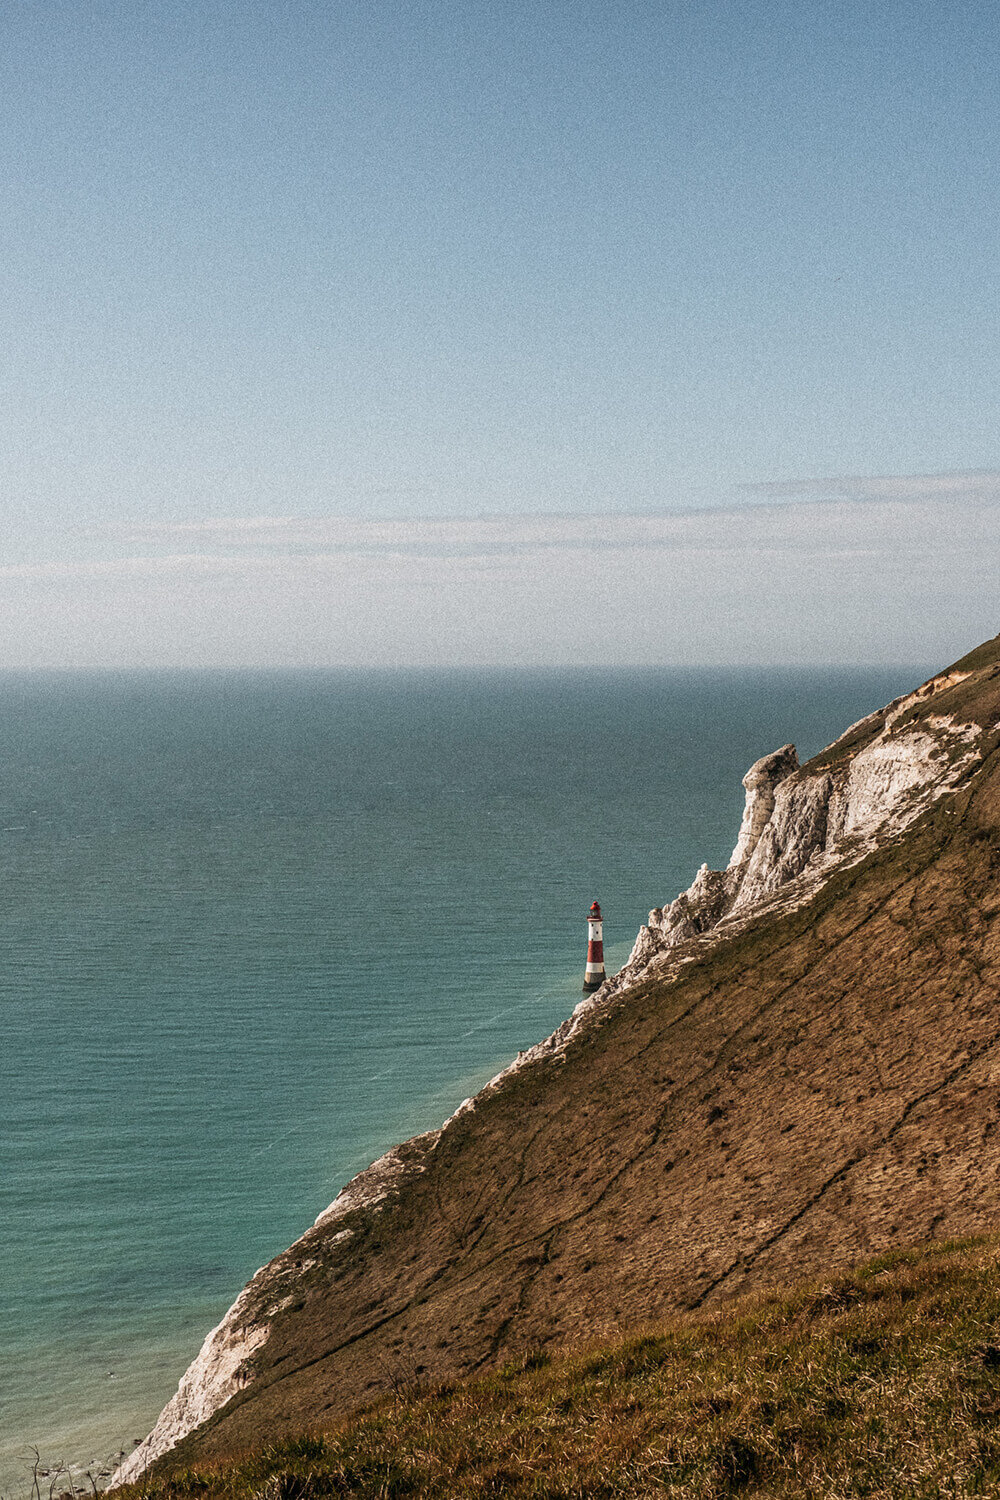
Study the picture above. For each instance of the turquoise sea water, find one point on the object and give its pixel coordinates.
(258, 927)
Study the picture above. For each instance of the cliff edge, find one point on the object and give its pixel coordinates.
(799, 1065)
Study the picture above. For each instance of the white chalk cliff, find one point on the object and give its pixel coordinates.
(799, 827)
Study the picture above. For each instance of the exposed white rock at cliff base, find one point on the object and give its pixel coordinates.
(216, 1374)
(221, 1368)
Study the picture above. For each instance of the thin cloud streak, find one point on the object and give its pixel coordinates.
(981, 484)
(819, 581)
(887, 522)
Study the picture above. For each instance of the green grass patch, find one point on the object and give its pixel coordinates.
(882, 1382)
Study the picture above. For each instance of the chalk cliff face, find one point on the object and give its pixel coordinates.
(222, 1368)
(778, 1079)
(799, 825)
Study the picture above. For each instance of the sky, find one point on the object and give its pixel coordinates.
(402, 333)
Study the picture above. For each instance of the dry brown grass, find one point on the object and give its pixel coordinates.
(884, 1382)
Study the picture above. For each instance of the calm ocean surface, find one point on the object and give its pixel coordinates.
(258, 927)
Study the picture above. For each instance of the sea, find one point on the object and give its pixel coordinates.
(258, 927)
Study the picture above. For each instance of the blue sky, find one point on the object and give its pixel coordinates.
(348, 263)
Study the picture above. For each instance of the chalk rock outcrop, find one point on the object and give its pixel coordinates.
(800, 824)
(223, 1366)
(218, 1372)
(761, 782)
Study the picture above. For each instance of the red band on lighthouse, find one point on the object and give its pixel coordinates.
(595, 975)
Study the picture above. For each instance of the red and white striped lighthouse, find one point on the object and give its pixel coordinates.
(595, 975)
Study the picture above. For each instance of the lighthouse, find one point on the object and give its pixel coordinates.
(595, 975)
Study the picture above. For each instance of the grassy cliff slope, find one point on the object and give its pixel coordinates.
(883, 1381)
